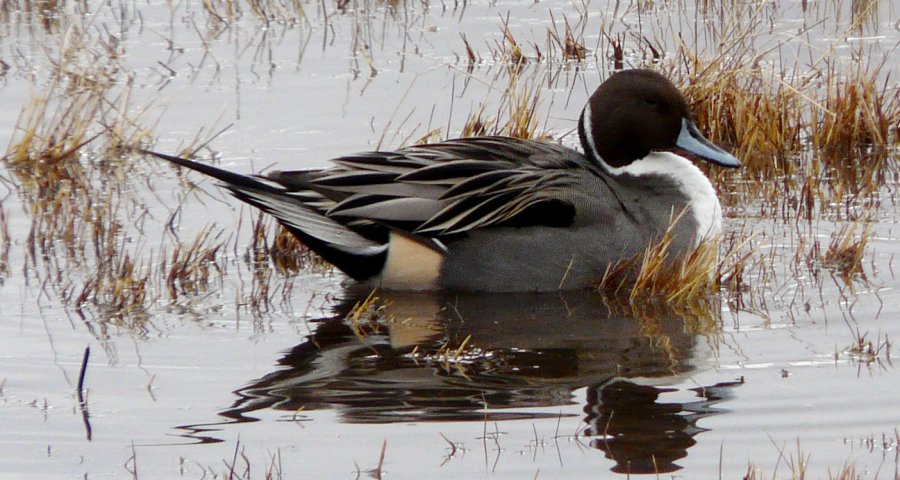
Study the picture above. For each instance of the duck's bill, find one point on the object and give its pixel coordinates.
(692, 141)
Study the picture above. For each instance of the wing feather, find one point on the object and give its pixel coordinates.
(447, 188)
(386, 208)
(451, 172)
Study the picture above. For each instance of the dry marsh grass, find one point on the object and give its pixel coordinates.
(846, 250)
(563, 45)
(860, 116)
(866, 352)
(796, 465)
(783, 127)
(66, 163)
(568, 46)
(44, 155)
(117, 293)
(366, 317)
(5, 242)
(517, 114)
(656, 277)
(271, 251)
(44, 13)
(75, 239)
(191, 267)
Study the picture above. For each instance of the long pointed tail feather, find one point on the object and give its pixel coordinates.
(360, 252)
(224, 176)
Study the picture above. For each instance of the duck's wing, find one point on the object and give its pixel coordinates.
(452, 187)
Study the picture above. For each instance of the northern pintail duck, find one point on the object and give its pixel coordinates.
(504, 214)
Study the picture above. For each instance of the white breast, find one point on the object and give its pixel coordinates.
(702, 198)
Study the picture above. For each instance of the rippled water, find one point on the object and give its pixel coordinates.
(443, 386)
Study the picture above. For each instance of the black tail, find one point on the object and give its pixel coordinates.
(359, 250)
(230, 179)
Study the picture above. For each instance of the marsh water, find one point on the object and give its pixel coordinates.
(236, 368)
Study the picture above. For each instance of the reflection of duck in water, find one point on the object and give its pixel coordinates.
(425, 357)
(642, 434)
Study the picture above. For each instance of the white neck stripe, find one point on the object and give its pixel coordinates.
(589, 133)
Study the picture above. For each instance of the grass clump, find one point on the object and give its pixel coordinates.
(189, 267)
(75, 241)
(756, 117)
(517, 113)
(282, 251)
(859, 121)
(273, 252)
(44, 156)
(808, 142)
(865, 351)
(845, 251)
(658, 277)
(5, 243)
(45, 13)
(118, 292)
(568, 46)
(797, 465)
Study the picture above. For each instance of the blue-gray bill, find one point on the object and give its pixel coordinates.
(692, 141)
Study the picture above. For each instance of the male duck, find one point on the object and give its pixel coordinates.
(504, 214)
